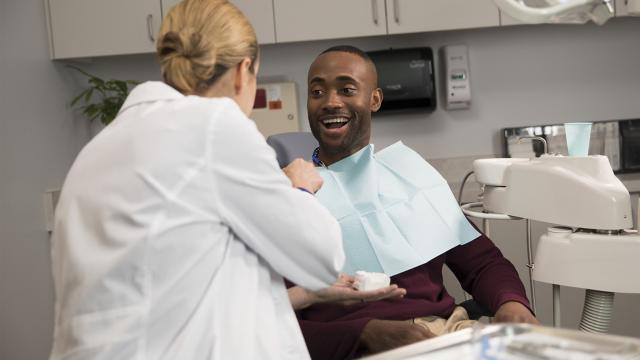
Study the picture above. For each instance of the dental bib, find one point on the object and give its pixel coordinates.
(395, 210)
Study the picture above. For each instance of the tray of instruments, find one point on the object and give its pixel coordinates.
(518, 341)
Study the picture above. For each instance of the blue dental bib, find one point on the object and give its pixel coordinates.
(395, 210)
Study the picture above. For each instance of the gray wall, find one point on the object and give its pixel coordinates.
(520, 76)
(38, 141)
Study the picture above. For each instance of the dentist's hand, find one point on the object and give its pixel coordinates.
(342, 292)
(303, 174)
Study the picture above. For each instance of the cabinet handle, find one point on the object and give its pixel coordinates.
(374, 8)
(150, 28)
(396, 11)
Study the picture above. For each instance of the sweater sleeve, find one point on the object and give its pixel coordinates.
(486, 274)
(330, 339)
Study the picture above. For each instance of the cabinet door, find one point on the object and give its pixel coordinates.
(506, 20)
(407, 16)
(259, 13)
(300, 20)
(86, 28)
(621, 7)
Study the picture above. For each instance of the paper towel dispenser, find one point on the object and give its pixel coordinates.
(406, 78)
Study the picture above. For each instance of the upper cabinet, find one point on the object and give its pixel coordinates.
(89, 28)
(408, 16)
(85, 28)
(621, 7)
(300, 20)
(259, 13)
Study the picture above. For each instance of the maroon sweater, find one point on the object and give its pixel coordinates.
(332, 331)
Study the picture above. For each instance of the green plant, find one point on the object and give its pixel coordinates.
(110, 95)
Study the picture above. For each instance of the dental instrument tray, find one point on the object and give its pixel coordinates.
(518, 341)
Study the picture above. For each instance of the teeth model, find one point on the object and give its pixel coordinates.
(365, 281)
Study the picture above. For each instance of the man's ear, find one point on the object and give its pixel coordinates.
(243, 70)
(376, 99)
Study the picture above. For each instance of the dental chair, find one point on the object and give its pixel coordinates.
(292, 145)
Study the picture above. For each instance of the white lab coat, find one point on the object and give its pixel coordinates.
(173, 232)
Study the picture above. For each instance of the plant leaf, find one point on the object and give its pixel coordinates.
(78, 97)
(80, 71)
(88, 94)
(112, 94)
(122, 86)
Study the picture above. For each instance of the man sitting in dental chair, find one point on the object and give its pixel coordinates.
(399, 217)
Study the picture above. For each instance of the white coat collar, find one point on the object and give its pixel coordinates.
(150, 91)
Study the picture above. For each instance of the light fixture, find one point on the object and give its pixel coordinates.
(559, 11)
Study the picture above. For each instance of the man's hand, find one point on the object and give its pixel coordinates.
(513, 311)
(342, 291)
(303, 174)
(383, 335)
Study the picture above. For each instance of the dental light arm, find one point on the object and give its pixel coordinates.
(578, 192)
(559, 11)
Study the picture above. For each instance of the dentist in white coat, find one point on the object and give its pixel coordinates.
(175, 225)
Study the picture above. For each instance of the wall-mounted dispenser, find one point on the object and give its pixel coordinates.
(406, 78)
(457, 85)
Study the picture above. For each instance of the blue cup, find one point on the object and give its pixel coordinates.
(578, 135)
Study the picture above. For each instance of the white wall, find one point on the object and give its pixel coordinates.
(520, 76)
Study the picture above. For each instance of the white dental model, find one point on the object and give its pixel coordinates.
(366, 281)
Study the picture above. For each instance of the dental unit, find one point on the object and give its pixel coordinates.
(594, 246)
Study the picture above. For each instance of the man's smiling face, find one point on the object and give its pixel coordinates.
(342, 93)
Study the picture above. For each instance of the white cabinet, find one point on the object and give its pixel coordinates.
(88, 28)
(407, 16)
(622, 7)
(259, 13)
(300, 20)
(506, 20)
(167, 5)
(85, 28)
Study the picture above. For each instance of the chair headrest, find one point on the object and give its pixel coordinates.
(292, 145)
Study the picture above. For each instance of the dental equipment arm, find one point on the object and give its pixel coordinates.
(598, 252)
(577, 192)
(559, 11)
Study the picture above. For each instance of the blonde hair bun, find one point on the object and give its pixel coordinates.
(200, 40)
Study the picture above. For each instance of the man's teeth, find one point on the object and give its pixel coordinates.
(335, 120)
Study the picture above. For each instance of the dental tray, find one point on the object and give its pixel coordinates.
(518, 341)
